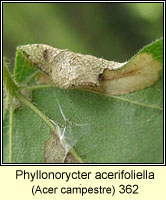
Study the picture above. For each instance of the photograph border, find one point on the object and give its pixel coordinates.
(82, 164)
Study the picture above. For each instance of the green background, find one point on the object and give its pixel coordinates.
(114, 31)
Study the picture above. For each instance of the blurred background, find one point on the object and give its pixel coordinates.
(114, 31)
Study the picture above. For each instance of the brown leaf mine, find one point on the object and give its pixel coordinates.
(141, 72)
(56, 153)
(73, 70)
(67, 69)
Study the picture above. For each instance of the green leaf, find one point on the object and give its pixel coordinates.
(100, 128)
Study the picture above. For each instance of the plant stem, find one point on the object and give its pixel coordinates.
(13, 91)
(46, 119)
(11, 118)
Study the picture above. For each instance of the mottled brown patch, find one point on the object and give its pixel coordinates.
(100, 77)
(55, 152)
(45, 54)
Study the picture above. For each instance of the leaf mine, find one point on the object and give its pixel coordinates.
(56, 153)
(66, 68)
(73, 70)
